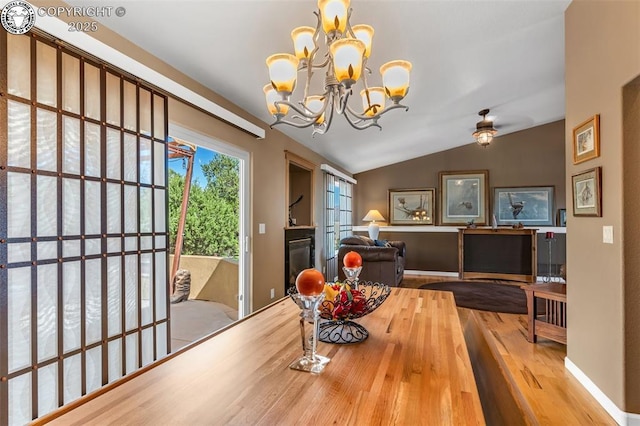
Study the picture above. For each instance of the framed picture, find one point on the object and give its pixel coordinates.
(529, 205)
(463, 197)
(412, 206)
(587, 192)
(586, 140)
(562, 217)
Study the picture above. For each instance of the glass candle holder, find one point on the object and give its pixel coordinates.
(351, 276)
(310, 361)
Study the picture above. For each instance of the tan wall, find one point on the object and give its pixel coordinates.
(212, 278)
(267, 166)
(533, 157)
(602, 54)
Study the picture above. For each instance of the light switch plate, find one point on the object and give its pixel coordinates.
(262, 228)
(607, 234)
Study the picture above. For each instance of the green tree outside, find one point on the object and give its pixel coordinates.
(211, 226)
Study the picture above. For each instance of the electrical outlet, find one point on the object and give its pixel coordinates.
(607, 234)
(273, 293)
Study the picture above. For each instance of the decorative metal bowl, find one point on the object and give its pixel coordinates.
(341, 328)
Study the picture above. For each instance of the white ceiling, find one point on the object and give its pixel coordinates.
(506, 55)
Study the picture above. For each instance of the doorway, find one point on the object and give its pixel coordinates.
(213, 254)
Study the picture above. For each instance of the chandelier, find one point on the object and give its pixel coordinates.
(342, 50)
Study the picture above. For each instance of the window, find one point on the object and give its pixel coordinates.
(338, 216)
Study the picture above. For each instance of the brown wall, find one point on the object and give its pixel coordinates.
(602, 54)
(533, 157)
(299, 184)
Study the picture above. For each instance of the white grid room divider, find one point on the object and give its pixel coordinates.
(83, 226)
(338, 219)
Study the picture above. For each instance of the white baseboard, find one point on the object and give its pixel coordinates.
(436, 273)
(621, 417)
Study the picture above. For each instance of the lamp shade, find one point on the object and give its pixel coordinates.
(303, 41)
(347, 56)
(395, 79)
(364, 33)
(283, 71)
(333, 14)
(271, 97)
(372, 216)
(373, 100)
(315, 104)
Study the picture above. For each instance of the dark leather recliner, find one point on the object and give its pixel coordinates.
(383, 264)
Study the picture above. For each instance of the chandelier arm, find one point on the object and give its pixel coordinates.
(328, 117)
(384, 111)
(305, 113)
(291, 123)
(319, 130)
(373, 122)
(344, 98)
(349, 30)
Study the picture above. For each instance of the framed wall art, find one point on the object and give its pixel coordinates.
(562, 217)
(587, 192)
(586, 140)
(412, 206)
(529, 205)
(463, 197)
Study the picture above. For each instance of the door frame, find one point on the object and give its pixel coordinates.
(244, 237)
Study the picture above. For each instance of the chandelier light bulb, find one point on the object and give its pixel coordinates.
(373, 100)
(347, 56)
(303, 41)
(334, 15)
(271, 97)
(364, 33)
(395, 79)
(283, 71)
(315, 104)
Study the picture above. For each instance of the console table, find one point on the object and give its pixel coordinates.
(552, 324)
(413, 369)
(501, 253)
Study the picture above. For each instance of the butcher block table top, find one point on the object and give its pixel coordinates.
(413, 369)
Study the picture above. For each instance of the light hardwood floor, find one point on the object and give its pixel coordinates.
(543, 391)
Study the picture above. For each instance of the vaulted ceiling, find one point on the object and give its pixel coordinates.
(506, 55)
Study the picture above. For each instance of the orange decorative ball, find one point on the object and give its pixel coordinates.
(352, 260)
(310, 282)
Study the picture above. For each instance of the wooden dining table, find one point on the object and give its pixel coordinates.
(413, 369)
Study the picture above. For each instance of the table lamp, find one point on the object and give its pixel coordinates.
(374, 228)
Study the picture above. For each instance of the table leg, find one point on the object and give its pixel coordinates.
(531, 313)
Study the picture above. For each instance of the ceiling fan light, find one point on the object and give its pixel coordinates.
(484, 137)
(364, 33)
(334, 15)
(484, 129)
(283, 71)
(373, 103)
(395, 79)
(347, 54)
(271, 97)
(303, 41)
